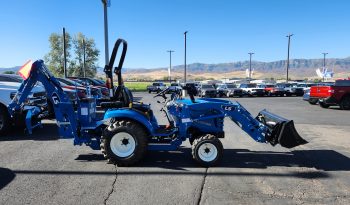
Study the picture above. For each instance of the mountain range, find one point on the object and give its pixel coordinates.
(299, 68)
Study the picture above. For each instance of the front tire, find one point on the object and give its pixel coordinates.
(124, 143)
(207, 150)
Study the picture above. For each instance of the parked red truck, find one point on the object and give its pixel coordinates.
(337, 94)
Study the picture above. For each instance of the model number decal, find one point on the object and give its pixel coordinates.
(227, 108)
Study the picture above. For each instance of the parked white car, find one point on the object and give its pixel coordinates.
(9, 85)
(251, 89)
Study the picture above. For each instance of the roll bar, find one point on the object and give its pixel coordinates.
(117, 70)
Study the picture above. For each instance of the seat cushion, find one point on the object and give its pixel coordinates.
(115, 104)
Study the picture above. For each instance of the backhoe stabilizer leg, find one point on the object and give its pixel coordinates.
(282, 131)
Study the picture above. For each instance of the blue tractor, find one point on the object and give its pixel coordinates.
(128, 129)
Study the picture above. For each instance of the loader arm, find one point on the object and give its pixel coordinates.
(63, 107)
(239, 115)
(266, 127)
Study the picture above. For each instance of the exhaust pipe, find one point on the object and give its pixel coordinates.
(281, 130)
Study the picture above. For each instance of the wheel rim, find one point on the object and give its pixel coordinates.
(207, 152)
(122, 144)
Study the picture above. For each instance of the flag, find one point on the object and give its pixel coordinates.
(24, 71)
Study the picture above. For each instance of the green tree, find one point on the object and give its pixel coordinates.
(91, 56)
(55, 58)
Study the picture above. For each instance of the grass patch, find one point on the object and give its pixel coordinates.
(139, 86)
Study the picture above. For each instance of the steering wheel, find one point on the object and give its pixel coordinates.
(162, 93)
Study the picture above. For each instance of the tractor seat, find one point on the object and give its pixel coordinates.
(116, 104)
(141, 107)
(124, 98)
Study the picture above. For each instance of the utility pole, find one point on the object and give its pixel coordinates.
(169, 71)
(324, 63)
(106, 3)
(250, 65)
(289, 35)
(185, 57)
(84, 68)
(64, 54)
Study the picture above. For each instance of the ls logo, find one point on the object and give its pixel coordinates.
(227, 108)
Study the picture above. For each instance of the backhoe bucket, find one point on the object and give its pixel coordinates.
(282, 131)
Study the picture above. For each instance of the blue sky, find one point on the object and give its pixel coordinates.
(219, 30)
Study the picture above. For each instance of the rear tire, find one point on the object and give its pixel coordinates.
(5, 122)
(124, 143)
(345, 103)
(207, 150)
(323, 105)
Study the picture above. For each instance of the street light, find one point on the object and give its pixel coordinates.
(289, 35)
(324, 63)
(250, 65)
(84, 52)
(170, 51)
(185, 57)
(106, 3)
(64, 53)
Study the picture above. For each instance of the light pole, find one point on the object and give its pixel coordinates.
(170, 51)
(64, 53)
(289, 35)
(106, 3)
(250, 65)
(185, 57)
(324, 63)
(84, 57)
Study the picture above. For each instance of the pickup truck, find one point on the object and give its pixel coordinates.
(207, 90)
(156, 87)
(175, 87)
(337, 94)
(291, 89)
(228, 90)
(272, 90)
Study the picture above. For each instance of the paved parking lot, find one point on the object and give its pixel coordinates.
(43, 169)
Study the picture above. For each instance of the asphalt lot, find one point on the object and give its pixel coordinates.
(43, 169)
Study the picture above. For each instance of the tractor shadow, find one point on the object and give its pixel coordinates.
(181, 163)
(6, 176)
(48, 132)
(323, 160)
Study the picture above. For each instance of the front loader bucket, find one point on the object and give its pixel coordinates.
(282, 131)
